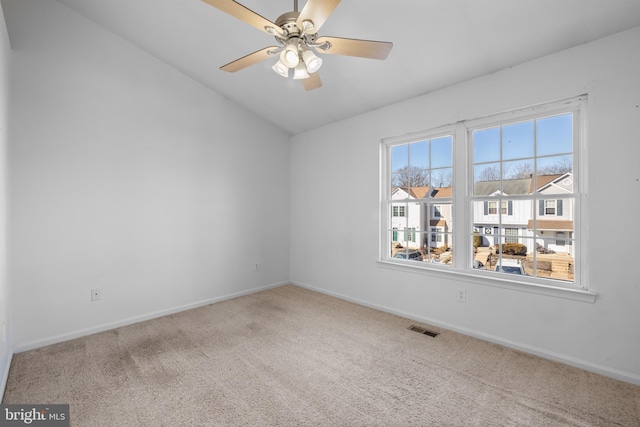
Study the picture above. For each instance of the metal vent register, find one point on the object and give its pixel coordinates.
(423, 331)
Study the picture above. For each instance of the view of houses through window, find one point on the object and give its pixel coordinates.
(520, 197)
(421, 184)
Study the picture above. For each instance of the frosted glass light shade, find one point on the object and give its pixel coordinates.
(312, 61)
(300, 72)
(281, 69)
(289, 55)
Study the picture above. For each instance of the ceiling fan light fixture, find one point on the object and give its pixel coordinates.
(296, 33)
(290, 56)
(281, 68)
(300, 72)
(311, 60)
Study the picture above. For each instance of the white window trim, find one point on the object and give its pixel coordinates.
(579, 290)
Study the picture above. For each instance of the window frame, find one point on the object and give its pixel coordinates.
(386, 192)
(462, 201)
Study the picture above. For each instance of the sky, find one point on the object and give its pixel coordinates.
(545, 141)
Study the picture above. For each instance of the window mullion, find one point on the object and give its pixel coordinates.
(461, 214)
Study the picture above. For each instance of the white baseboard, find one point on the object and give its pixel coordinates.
(557, 357)
(136, 319)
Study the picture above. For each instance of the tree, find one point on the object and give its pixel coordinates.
(489, 173)
(442, 178)
(407, 177)
(563, 165)
(521, 170)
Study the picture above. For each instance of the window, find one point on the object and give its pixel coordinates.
(521, 202)
(511, 235)
(436, 235)
(493, 208)
(549, 207)
(398, 211)
(560, 241)
(419, 176)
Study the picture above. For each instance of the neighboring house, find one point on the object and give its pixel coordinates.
(509, 220)
(555, 216)
(414, 227)
(553, 225)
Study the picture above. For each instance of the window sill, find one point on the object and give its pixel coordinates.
(485, 279)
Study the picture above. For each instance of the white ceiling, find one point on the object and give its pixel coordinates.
(437, 43)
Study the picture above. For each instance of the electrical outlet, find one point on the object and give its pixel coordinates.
(462, 295)
(96, 294)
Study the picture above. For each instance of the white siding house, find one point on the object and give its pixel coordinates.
(417, 224)
(547, 226)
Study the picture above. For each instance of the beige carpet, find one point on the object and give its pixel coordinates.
(292, 357)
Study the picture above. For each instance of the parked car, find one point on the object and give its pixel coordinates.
(510, 266)
(410, 255)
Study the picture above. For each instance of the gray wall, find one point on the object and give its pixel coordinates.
(5, 323)
(130, 177)
(335, 196)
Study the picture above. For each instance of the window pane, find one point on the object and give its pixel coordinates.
(441, 152)
(486, 179)
(519, 169)
(393, 238)
(399, 158)
(555, 175)
(517, 141)
(486, 145)
(398, 220)
(554, 261)
(418, 179)
(419, 155)
(399, 185)
(479, 252)
(554, 135)
(442, 177)
(403, 253)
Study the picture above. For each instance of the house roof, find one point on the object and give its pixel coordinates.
(426, 191)
(444, 192)
(552, 224)
(544, 180)
(511, 187)
(420, 192)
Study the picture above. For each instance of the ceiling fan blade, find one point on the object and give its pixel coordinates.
(250, 59)
(316, 11)
(247, 15)
(355, 47)
(313, 82)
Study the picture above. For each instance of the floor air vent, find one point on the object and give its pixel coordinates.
(423, 331)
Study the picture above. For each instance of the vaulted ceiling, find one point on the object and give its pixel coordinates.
(437, 43)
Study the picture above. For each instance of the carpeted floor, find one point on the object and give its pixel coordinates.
(292, 357)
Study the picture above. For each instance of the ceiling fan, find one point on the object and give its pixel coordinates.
(298, 41)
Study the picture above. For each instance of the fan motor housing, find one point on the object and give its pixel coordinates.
(287, 22)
